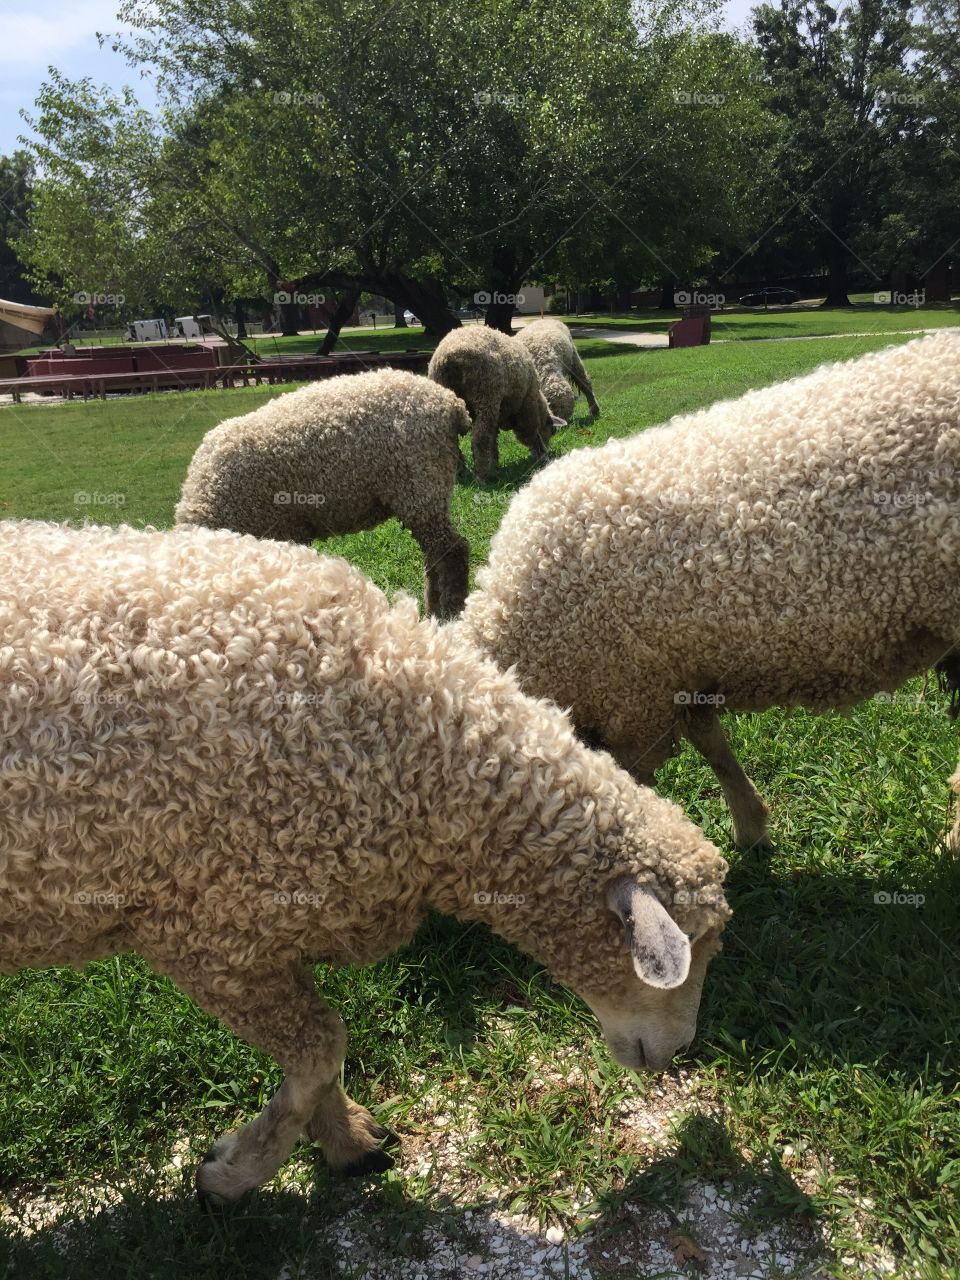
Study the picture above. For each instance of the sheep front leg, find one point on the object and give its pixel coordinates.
(351, 1138)
(582, 382)
(747, 809)
(281, 1014)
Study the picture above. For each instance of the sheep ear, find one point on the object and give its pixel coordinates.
(557, 422)
(660, 948)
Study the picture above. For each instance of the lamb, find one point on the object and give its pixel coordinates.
(235, 758)
(336, 457)
(497, 380)
(797, 547)
(551, 349)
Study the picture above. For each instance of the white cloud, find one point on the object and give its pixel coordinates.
(32, 40)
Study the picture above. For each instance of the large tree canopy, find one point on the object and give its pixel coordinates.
(16, 196)
(412, 150)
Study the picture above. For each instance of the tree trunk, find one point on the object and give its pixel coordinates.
(341, 314)
(399, 319)
(667, 290)
(836, 277)
(289, 319)
(936, 283)
(500, 316)
(241, 318)
(426, 300)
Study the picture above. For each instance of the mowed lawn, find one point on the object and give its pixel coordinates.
(823, 1083)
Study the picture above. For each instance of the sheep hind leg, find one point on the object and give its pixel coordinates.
(744, 801)
(583, 384)
(281, 1014)
(446, 565)
(486, 452)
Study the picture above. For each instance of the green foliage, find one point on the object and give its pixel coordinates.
(16, 193)
(378, 155)
(826, 69)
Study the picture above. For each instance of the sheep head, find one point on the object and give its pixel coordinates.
(560, 398)
(648, 1011)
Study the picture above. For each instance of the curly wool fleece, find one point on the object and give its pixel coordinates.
(195, 721)
(550, 347)
(338, 456)
(799, 547)
(497, 380)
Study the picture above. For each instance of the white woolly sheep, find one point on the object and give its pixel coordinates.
(797, 547)
(550, 347)
(235, 758)
(336, 457)
(497, 381)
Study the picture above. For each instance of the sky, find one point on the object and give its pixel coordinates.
(63, 34)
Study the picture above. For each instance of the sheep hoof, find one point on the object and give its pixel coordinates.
(376, 1161)
(386, 1137)
(755, 839)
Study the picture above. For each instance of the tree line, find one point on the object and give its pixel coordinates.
(429, 150)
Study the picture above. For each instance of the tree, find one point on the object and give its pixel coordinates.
(920, 116)
(824, 68)
(16, 194)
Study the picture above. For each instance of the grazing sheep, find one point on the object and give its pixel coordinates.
(799, 546)
(496, 379)
(235, 758)
(551, 349)
(338, 456)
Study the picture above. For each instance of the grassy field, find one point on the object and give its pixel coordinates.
(790, 322)
(822, 1089)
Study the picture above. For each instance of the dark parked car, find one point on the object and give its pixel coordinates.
(774, 297)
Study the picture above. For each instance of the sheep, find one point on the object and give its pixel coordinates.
(336, 457)
(797, 547)
(497, 380)
(551, 349)
(235, 758)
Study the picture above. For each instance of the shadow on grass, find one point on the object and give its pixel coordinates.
(706, 1153)
(340, 1228)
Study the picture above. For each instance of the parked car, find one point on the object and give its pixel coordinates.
(773, 297)
(410, 317)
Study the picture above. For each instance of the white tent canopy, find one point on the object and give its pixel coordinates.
(20, 325)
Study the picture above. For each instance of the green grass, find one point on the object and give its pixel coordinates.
(788, 322)
(828, 1022)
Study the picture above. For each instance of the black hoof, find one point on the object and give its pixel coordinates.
(386, 1137)
(373, 1162)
